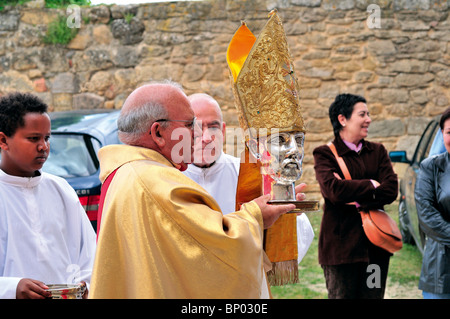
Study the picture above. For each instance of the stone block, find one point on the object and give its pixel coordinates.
(127, 78)
(382, 47)
(35, 73)
(419, 96)
(443, 78)
(410, 66)
(100, 81)
(390, 96)
(14, 81)
(52, 59)
(317, 125)
(37, 4)
(80, 42)
(36, 17)
(413, 80)
(386, 128)
(308, 93)
(125, 56)
(92, 60)
(65, 83)
(323, 73)
(23, 61)
(62, 101)
(416, 125)
(100, 14)
(88, 101)
(193, 72)
(9, 21)
(102, 34)
(128, 33)
(120, 11)
(109, 104)
(338, 4)
(364, 76)
(419, 46)
(411, 5)
(306, 3)
(39, 85)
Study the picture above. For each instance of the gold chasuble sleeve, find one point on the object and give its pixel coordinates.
(163, 236)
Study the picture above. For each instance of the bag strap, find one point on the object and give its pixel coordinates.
(342, 165)
(340, 161)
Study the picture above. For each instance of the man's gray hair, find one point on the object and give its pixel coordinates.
(138, 120)
(134, 123)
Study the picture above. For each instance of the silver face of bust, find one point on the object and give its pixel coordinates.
(282, 155)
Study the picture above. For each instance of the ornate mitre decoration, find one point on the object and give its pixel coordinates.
(264, 84)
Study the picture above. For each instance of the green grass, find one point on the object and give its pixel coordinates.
(403, 276)
(58, 32)
(405, 265)
(64, 3)
(48, 3)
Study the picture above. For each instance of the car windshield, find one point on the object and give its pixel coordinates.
(69, 156)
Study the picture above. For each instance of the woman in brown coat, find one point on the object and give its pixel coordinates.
(353, 266)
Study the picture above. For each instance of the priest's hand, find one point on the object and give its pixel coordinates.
(32, 289)
(271, 213)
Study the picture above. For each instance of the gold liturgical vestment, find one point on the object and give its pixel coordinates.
(163, 235)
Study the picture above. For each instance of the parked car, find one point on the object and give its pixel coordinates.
(76, 138)
(407, 212)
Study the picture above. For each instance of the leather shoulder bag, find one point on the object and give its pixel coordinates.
(379, 228)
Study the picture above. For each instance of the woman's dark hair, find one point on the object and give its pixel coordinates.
(13, 108)
(343, 104)
(445, 116)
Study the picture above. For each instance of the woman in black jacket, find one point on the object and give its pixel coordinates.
(432, 194)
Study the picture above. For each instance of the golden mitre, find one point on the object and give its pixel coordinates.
(266, 96)
(264, 84)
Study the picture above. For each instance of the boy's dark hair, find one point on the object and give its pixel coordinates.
(445, 116)
(343, 104)
(13, 108)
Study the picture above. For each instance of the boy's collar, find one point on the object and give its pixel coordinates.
(26, 182)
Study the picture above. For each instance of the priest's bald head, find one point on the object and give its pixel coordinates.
(159, 116)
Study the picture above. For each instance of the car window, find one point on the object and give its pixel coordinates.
(96, 145)
(438, 146)
(423, 149)
(69, 156)
(430, 141)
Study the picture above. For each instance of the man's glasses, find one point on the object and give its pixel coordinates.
(190, 125)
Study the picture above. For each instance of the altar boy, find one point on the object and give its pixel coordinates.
(45, 235)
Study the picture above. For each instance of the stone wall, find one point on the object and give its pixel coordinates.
(396, 54)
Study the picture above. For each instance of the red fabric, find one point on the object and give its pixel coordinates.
(102, 198)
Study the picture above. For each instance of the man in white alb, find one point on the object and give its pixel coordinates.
(214, 170)
(218, 172)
